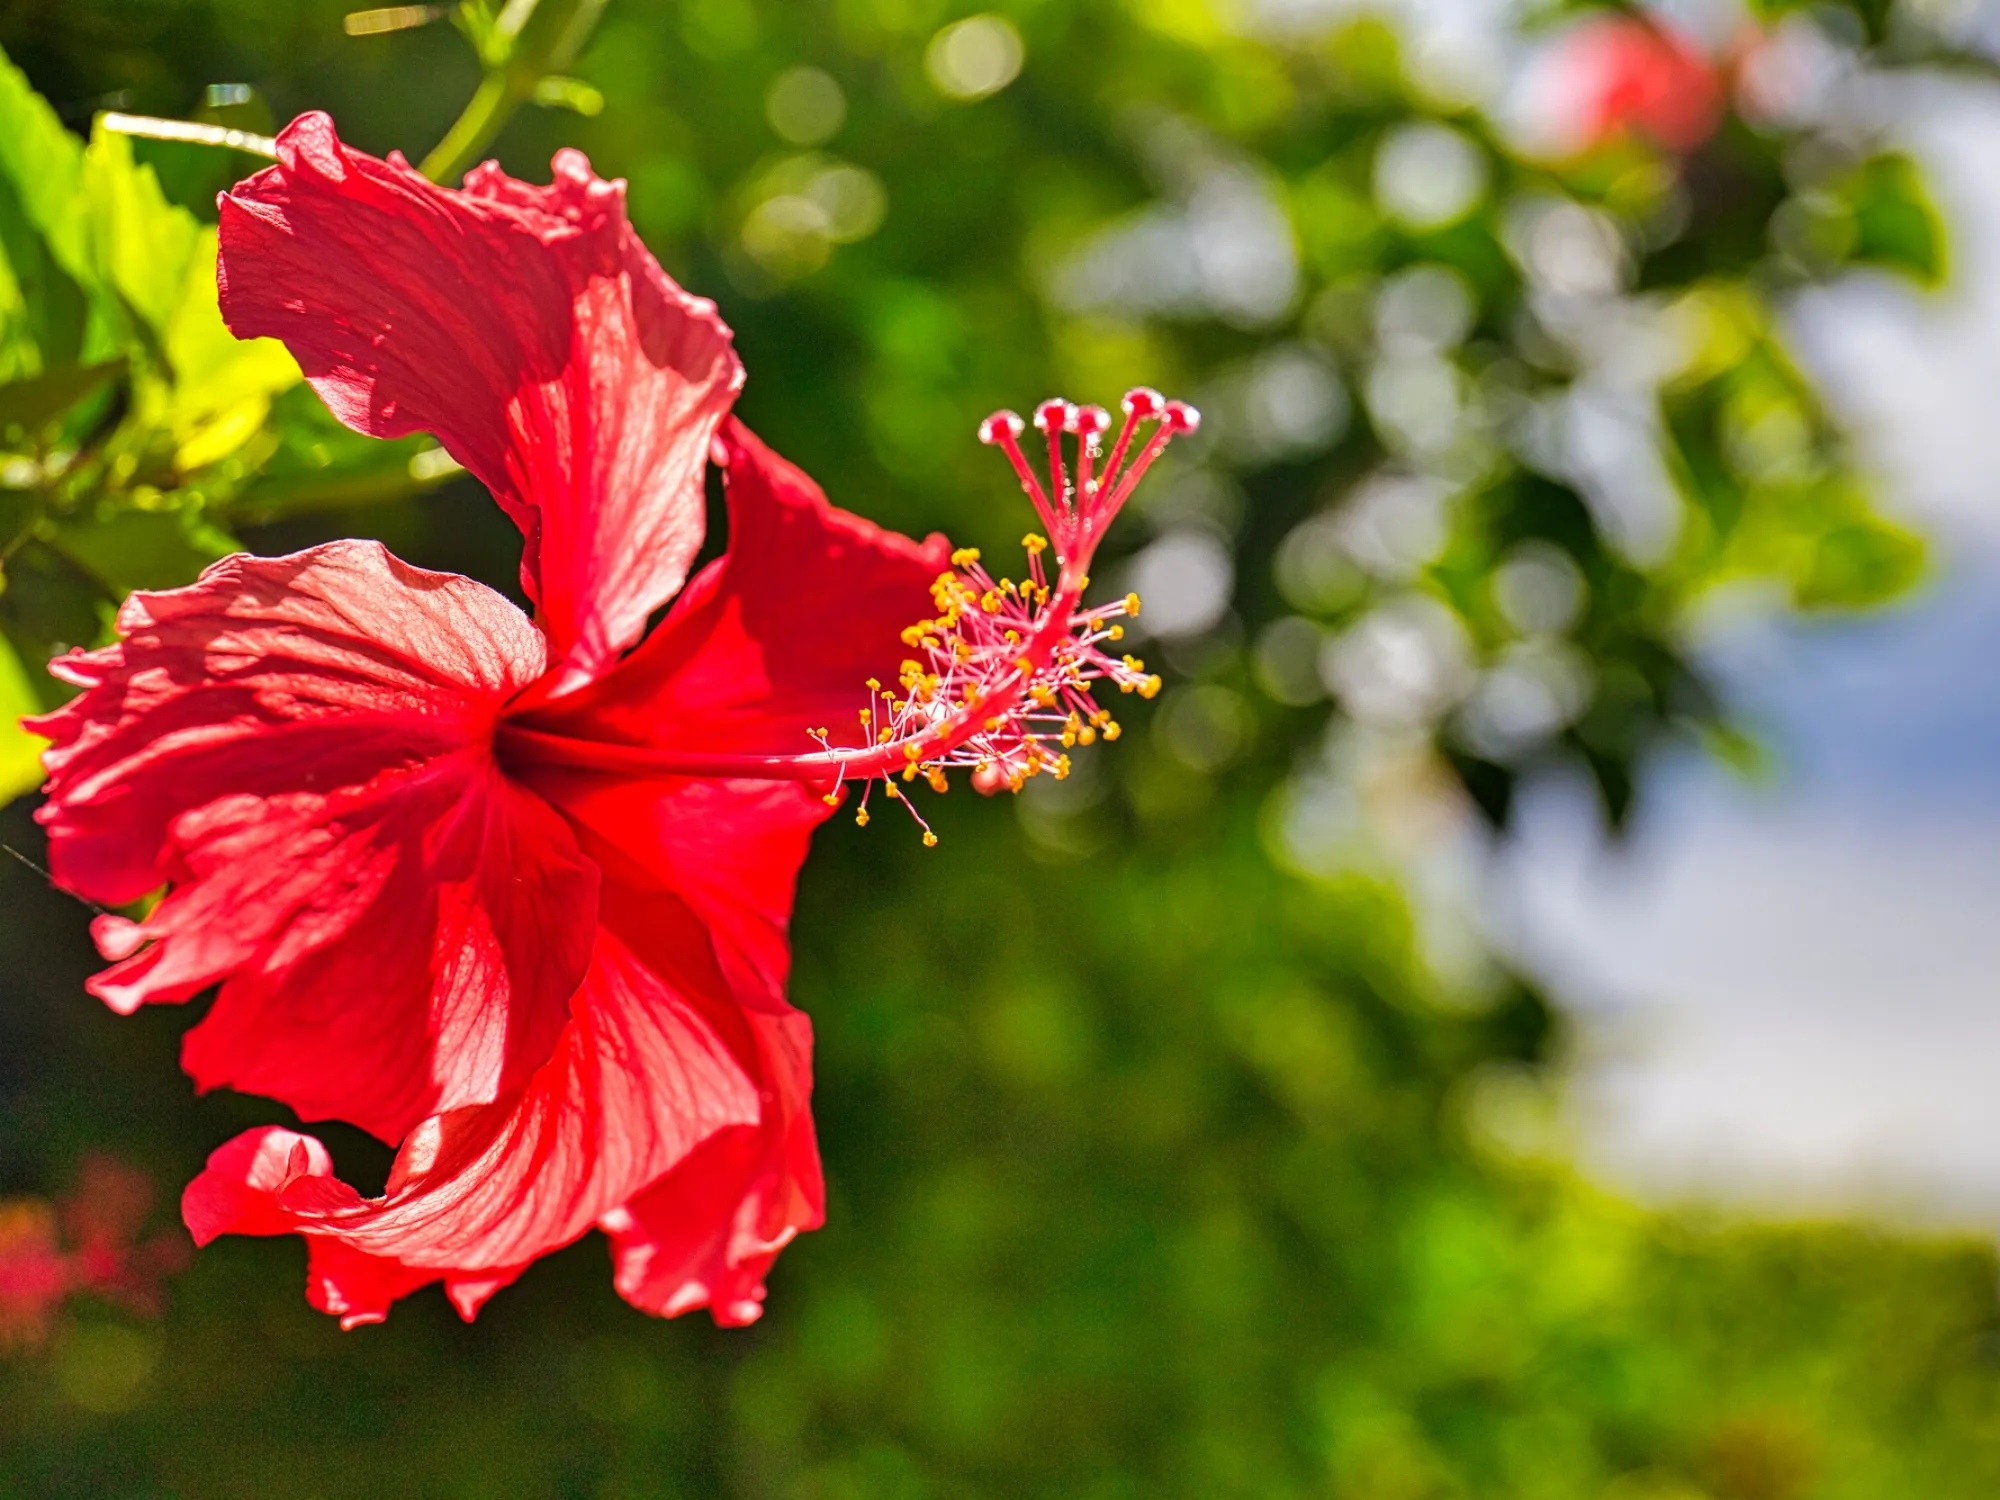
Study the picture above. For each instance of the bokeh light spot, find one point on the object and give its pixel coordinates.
(975, 57)
(805, 106)
(1428, 176)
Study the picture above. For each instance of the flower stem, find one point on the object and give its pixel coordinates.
(492, 104)
(527, 41)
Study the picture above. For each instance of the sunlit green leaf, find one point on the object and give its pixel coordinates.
(42, 308)
(140, 245)
(43, 162)
(223, 385)
(20, 752)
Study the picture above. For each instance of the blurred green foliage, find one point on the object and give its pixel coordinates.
(1167, 1156)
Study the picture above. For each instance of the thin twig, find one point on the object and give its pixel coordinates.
(191, 131)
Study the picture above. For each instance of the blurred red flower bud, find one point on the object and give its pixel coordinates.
(1625, 74)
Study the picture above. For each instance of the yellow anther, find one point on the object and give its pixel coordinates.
(1132, 663)
(1125, 687)
(995, 722)
(1025, 667)
(1012, 637)
(965, 557)
(1132, 604)
(861, 818)
(867, 716)
(1116, 633)
(1083, 583)
(990, 601)
(885, 736)
(936, 778)
(1086, 736)
(831, 799)
(1036, 544)
(889, 790)
(874, 686)
(930, 839)
(911, 752)
(909, 773)
(1150, 686)
(1111, 729)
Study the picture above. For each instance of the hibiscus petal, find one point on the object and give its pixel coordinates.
(639, 1079)
(695, 869)
(301, 747)
(698, 882)
(778, 637)
(775, 639)
(706, 1234)
(529, 329)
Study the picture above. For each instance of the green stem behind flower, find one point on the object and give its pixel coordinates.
(519, 46)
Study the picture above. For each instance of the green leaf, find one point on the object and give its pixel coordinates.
(92, 246)
(161, 547)
(317, 463)
(1865, 561)
(19, 510)
(33, 403)
(20, 751)
(42, 307)
(223, 385)
(140, 245)
(43, 162)
(1895, 223)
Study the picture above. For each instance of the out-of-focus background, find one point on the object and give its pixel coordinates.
(1512, 1019)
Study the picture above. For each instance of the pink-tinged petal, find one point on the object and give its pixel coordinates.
(440, 925)
(722, 856)
(529, 329)
(699, 879)
(706, 1234)
(301, 748)
(777, 638)
(639, 1079)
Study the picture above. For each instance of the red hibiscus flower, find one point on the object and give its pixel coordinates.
(34, 1273)
(100, 1222)
(1632, 74)
(512, 894)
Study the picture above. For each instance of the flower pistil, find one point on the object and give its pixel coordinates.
(1005, 673)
